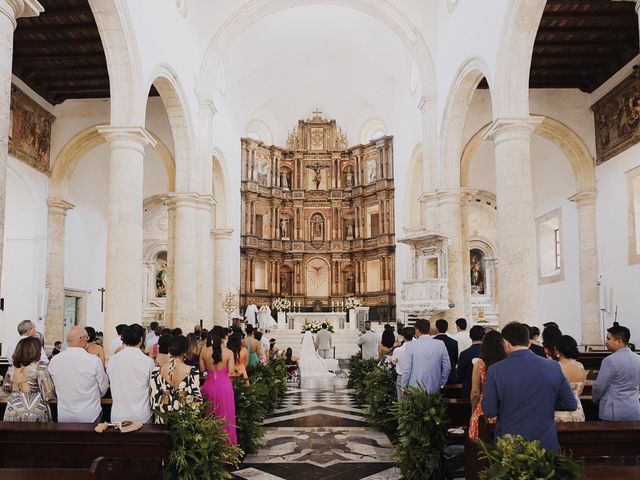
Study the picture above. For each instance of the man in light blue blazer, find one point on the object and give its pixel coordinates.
(616, 388)
(524, 390)
(426, 360)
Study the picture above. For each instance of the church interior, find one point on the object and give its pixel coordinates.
(175, 161)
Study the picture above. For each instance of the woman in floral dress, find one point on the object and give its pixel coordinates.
(28, 384)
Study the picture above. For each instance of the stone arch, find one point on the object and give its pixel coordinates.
(79, 146)
(260, 129)
(566, 139)
(518, 35)
(415, 188)
(317, 277)
(370, 128)
(469, 75)
(220, 191)
(174, 100)
(383, 10)
(123, 62)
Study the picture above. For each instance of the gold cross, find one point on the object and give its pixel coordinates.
(317, 112)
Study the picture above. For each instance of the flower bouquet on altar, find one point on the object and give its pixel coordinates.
(352, 302)
(281, 304)
(315, 326)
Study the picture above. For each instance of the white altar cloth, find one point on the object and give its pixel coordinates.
(337, 319)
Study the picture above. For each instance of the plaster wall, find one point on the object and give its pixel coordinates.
(619, 280)
(25, 249)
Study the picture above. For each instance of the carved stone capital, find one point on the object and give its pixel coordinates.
(127, 137)
(222, 233)
(583, 199)
(15, 9)
(178, 200)
(57, 206)
(506, 129)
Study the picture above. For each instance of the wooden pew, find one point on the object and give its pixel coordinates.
(77, 445)
(590, 443)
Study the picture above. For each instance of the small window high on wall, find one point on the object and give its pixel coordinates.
(633, 181)
(550, 260)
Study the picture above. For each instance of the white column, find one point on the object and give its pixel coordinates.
(184, 300)
(588, 254)
(10, 11)
(205, 261)
(450, 214)
(517, 275)
(56, 214)
(222, 272)
(124, 282)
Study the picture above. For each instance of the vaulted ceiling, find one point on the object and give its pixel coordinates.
(580, 44)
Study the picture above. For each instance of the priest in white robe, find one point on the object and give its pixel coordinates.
(250, 314)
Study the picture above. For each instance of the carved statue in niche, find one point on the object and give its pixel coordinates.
(284, 283)
(317, 227)
(284, 228)
(348, 180)
(262, 173)
(161, 275)
(284, 179)
(349, 228)
(372, 175)
(317, 173)
(477, 271)
(350, 284)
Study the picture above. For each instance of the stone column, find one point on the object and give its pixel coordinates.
(124, 282)
(205, 260)
(185, 256)
(588, 254)
(56, 214)
(450, 214)
(518, 273)
(222, 272)
(10, 11)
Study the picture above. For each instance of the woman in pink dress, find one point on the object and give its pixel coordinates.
(217, 360)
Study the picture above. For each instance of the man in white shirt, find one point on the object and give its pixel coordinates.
(26, 328)
(462, 337)
(129, 372)
(397, 357)
(79, 379)
(369, 342)
(251, 314)
(116, 342)
(152, 337)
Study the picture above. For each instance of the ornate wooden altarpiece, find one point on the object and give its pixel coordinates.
(318, 220)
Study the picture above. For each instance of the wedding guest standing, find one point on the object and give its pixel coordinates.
(217, 388)
(369, 342)
(467, 360)
(92, 347)
(452, 347)
(172, 383)
(79, 379)
(567, 353)
(129, 373)
(616, 388)
(426, 361)
(28, 384)
(26, 328)
(463, 337)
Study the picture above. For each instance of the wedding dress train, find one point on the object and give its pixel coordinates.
(311, 364)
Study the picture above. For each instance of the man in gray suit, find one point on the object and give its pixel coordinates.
(324, 342)
(369, 342)
(426, 360)
(616, 388)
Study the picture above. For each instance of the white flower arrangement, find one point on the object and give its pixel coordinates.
(281, 304)
(352, 302)
(315, 326)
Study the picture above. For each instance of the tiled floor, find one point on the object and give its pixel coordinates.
(320, 434)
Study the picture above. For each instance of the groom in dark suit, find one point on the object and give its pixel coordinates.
(524, 390)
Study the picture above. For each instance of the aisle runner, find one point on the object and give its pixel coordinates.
(319, 432)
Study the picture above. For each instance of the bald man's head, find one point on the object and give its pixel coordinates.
(77, 337)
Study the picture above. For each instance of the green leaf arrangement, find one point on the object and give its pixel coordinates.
(198, 446)
(422, 435)
(514, 457)
(380, 394)
(250, 414)
(358, 369)
(274, 376)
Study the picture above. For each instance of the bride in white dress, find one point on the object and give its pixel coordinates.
(311, 364)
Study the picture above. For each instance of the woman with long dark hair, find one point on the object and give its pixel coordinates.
(240, 356)
(218, 362)
(566, 351)
(92, 347)
(492, 351)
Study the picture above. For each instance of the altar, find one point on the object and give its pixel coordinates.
(295, 320)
